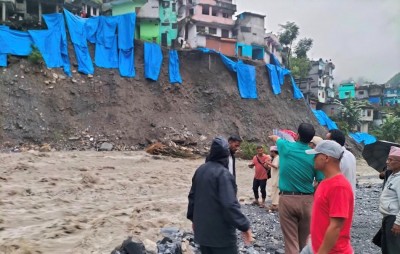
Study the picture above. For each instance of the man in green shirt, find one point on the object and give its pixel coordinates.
(296, 183)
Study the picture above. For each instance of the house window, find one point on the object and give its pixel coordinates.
(225, 15)
(200, 29)
(245, 29)
(369, 113)
(323, 95)
(361, 92)
(234, 33)
(225, 33)
(346, 93)
(20, 1)
(212, 30)
(165, 4)
(205, 10)
(190, 1)
(174, 25)
(191, 11)
(165, 24)
(214, 12)
(137, 9)
(173, 6)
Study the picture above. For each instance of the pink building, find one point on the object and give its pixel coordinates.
(210, 25)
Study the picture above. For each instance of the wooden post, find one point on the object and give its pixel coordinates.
(3, 16)
(40, 12)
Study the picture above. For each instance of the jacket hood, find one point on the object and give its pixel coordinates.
(219, 151)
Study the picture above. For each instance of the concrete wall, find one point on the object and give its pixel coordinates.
(150, 10)
(149, 30)
(244, 50)
(250, 29)
(124, 8)
(362, 94)
(367, 115)
(168, 20)
(224, 46)
(219, 19)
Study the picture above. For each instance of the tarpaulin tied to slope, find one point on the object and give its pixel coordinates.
(246, 77)
(77, 31)
(3, 57)
(106, 52)
(174, 74)
(15, 42)
(297, 94)
(274, 79)
(52, 43)
(324, 120)
(362, 137)
(152, 60)
(126, 36)
(274, 61)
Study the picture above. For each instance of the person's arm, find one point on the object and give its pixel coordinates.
(274, 138)
(270, 164)
(331, 235)
(229, 202)
(396, 225)
(190, 209)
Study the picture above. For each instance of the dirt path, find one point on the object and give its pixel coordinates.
(88, 202)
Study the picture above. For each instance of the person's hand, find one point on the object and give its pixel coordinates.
(396, 229)
(273, 138)
(247, 237)
(251, 165)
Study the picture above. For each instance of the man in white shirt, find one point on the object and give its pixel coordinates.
(348, 162)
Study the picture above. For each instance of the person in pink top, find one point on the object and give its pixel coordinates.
(332, 212)
(260, 175)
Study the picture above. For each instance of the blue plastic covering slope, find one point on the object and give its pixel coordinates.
(324, 120)
(56, 21)
(229, 63)
(90, 29)
(49, 44)
(106, 53)
(297, 94)
(274, 79)
(126, 36)
(362, 137)
(174, 74)
(3, 57)
(152, 60)
(15, 42)
(76, 27)
(274, 61)
(246, 75)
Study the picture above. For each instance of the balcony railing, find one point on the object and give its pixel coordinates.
(225, 5)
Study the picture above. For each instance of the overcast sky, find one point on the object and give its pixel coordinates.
(362, 37)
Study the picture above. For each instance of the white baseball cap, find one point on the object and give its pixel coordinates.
(328, 147)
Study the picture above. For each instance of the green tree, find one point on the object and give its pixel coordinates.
(389, 130)
(302, 47)
(300, 67)
(287, 37)
(350, 112)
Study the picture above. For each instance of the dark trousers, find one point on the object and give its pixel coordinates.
(390, 242)
(262, 184)
(214, 250)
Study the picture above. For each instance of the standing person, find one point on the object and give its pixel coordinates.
(348, 164)
(314, 142)
(260, 175)
(234, 145)
(213, 207)
(333, 208)
(296, 183)
(274, 178)
(390, 205)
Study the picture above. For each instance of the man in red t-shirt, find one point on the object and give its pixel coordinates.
(333, 207)
(260, 175)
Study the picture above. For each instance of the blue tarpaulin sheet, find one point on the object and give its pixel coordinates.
(246, 75)
(49, 44)
(152, 60)
(15, 42)
(90, 29)
(362, 137)
(324, 120)
(374, 100)
(56, 21)
(297, 94)
(230, 64)
(174, 74)
(106, 53)
(3, 57)
(76, 26)
(126, 36)
(274, 61)
(274, 79)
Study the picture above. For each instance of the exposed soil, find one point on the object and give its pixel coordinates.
(39, 105)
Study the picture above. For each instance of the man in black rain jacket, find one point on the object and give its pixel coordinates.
(213, 206)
